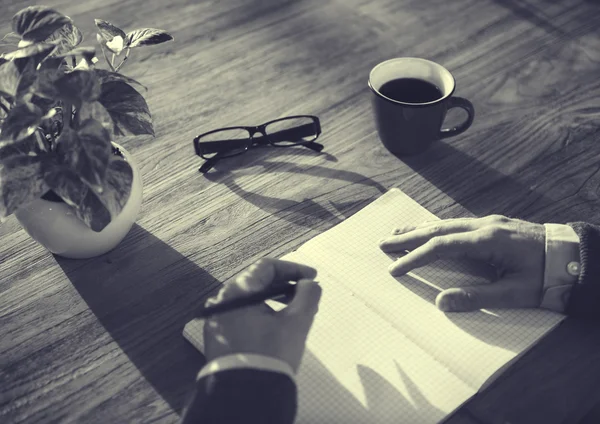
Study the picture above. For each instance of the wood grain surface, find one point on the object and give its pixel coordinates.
(99, 340)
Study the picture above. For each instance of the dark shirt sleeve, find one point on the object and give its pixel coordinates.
(584, 301)
(245, 396)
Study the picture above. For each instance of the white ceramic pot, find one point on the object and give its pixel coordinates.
(56, 227)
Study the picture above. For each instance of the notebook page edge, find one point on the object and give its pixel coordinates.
(498, 373)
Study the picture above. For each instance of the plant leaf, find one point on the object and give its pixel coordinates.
(109, 76)
(117, 186)
(86, 205)
(94, 209)
(12, 37)
(9, 79)
(88, 53)
(50, 127)
(32, 57)
(86, 151)
(26, 79)
(95, 143)
(45, 83)
(65, 38)
(134, 124)
(21, 122)
(127, 108)
(53, 62)
(82, 65)
(97, 112)
(21, 182)
(36, 23)
(26, 146)
(116, 45)
(41, 50)
(101, 40)
(147, 37)
(5, 104)
(109, 31)
(79, 86)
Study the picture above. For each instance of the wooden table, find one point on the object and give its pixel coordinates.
(99, 340)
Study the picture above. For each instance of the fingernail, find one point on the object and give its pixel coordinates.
(455, 300)
(393, 268)
(403, 229)
(447, 304)
(381, 241)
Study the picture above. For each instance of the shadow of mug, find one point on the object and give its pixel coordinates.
(411, 97)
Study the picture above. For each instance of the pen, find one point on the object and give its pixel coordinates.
(287, 289)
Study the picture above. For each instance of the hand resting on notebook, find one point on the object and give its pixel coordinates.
(515, 247)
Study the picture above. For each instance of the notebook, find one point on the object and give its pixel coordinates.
(379, 350)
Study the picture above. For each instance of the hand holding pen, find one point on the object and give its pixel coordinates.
(238, 320)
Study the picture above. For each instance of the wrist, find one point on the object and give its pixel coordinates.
(245, 360)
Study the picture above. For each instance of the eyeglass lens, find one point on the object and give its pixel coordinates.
(285, 132)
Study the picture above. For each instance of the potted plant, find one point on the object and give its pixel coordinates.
(70, 186)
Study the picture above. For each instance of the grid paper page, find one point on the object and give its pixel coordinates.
(471, 345)
(363, 370)
(350, 373)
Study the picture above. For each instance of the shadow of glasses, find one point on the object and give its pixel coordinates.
(309, 213)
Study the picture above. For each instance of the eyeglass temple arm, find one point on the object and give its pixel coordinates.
(317, 147)
(209, 163)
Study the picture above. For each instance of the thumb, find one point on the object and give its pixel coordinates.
(306, 299)
(506, 293)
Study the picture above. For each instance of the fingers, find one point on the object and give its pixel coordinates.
(306, 300)
(409, 238)
(264, 273)
(511, 292)
(269, 270)
(454, 246)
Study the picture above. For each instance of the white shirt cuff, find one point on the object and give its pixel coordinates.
(562, 266)
(246, 360)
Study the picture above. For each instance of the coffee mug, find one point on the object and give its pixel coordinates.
(410, 99)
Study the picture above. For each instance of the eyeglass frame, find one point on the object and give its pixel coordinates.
(265, 140)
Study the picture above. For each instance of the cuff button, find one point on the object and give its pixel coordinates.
(573, 268)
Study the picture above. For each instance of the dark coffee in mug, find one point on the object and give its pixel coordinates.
(411, 90)
(411, 97)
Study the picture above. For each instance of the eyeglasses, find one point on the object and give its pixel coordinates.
(299, 130)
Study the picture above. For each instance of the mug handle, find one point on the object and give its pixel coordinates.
(468, 107)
